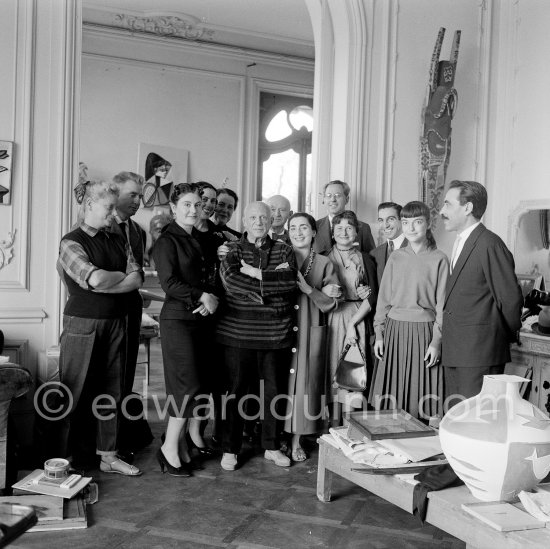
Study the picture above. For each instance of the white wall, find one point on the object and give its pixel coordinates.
(416, 24)
(38, 45)
(169, 93)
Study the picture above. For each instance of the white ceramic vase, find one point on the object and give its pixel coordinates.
(496, 442)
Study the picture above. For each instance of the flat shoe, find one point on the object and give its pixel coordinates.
(120, 468)
(229, 461)
(277, 457)
(299, 454)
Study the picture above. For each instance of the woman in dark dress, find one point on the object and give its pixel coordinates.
(187, 269)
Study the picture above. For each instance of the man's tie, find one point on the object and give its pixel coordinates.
(390, 248)
(125, 230)
(454, 255)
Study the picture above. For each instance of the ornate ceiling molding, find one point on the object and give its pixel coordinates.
(188, 28)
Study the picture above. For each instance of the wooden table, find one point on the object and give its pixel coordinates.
(444, 507)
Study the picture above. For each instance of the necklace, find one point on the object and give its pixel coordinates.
(310, 263)
(344, 250)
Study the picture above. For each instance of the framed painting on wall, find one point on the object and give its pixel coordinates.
(6, 148)
(162, 167)
(17, 350)
(529, 282)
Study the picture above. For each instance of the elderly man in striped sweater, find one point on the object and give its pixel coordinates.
(256, 329)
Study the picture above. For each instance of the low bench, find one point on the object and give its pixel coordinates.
(444, 506)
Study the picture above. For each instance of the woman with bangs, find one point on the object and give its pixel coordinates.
(408, 321)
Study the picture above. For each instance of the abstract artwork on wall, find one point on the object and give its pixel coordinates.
(6, 148)
(162, 167)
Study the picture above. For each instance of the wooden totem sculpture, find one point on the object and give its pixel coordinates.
(435, 140)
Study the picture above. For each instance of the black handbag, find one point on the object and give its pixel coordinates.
(349, 374)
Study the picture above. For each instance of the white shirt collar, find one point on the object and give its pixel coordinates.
(397, 242)
(272, 233)
(467, 232)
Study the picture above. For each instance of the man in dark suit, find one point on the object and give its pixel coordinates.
(335, 198)
(130, 187)
(389, 221)
(482, 311)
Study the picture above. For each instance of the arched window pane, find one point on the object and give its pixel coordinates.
(302, 116)
(278, 127)
(280, 176)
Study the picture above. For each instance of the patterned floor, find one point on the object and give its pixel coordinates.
(258, 506)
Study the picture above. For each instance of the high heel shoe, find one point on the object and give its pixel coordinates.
(183, 471)
(192, 464)
(204, 451)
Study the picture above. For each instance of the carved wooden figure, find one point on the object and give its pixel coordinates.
(435, 140)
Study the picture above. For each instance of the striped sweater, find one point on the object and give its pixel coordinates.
(258, 314)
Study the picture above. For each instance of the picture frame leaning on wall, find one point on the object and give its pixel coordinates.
(530, 282)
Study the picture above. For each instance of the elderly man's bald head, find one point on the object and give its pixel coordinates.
(257, 220)
(280, 212)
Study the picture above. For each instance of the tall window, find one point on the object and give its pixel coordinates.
(284, 160)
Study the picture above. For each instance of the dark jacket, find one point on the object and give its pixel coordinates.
(482, 312)
(380, 256)
(370, 271)
(323, 239)
(185, 270)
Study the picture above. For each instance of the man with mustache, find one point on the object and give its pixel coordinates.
(482, 310)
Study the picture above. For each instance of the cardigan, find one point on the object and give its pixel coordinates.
(185, 269)
(258, 314)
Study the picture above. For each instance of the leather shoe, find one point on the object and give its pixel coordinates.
(229, 461)
(277, 457)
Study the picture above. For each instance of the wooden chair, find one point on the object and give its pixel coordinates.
(145, 335)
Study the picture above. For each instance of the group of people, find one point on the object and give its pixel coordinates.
(264, 317)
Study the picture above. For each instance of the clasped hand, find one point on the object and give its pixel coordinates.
(332, 290)
(363, 292)
(208, 304)
(248, 270)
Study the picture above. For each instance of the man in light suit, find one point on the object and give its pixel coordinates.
(389, 220)
(482, 311)
(335, 197)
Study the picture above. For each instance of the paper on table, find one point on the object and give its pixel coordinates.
(502, 516)
(537, 504)
(413, 449)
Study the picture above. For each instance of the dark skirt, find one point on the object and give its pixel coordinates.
(187, 363)
(402, 379)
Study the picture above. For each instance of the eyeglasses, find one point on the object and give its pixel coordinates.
(330, 196)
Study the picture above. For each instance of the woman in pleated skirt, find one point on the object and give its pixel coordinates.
(408, 319)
